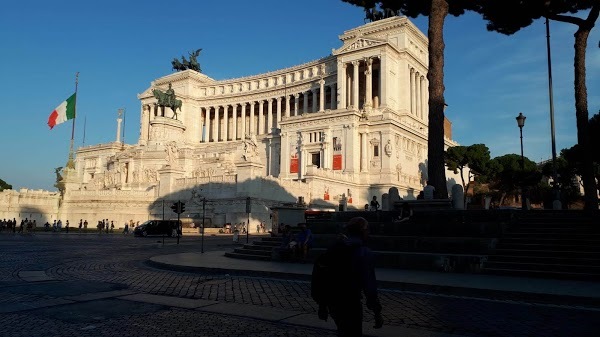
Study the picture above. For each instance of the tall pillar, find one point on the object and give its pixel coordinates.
(261, 117)
(279, 99)
(226, 123)
(355, 82)
(314, 100)
(296, 98)
(426, 99)
(287, 105)
(348, 90)
(418, 95)
(369, 84)
(235, 125)
(269, 115)
(412, 91)
(305, 102)
(363, 153)
(215, 124)
(334, 95)
(202, 125)
(322, 95)
(383, 78)
(342, 82)
(252, 124)
(284, 168)
(243, 116)
(119, 121)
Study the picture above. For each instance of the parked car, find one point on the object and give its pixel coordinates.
(158, 227)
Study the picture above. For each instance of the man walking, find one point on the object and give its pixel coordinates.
(340, 277)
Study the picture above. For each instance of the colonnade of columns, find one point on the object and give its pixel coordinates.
(419, 94)
(351, 83)
(234, 121)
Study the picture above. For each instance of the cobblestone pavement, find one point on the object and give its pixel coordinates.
(83, 264)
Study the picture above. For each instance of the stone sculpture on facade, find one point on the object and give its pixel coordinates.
(192, 64)
(249, 147)
(167, 99)
(171, 150)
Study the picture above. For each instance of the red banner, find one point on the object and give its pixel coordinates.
(293, 165)
(337, 161)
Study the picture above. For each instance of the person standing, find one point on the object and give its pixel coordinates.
(374, 204)
(85, 224)
(126, 229)
(67, 226)
(80, 225)
(342, 275)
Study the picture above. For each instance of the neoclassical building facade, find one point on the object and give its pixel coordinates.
(339, 129)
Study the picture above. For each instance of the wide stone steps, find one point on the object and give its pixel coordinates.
(577, 261)
(527, 272)
(553, 244)
(248, 256)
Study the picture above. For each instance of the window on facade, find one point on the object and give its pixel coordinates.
(376, 151)
(316, 159)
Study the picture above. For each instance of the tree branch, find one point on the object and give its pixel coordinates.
(565, 18)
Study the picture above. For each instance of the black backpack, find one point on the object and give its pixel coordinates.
(334, 277)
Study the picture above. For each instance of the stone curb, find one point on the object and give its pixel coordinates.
(402, 286)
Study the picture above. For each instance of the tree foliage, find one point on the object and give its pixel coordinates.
(436, 11)
(509, 16)
(4, 185)
(473, 160)
(509, 177)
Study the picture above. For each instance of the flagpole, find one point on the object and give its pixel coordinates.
(84, 124)
(70, 163)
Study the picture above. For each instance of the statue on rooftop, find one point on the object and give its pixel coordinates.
(184, 64)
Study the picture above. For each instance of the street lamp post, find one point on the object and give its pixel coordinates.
(203, 219)
(521, 122)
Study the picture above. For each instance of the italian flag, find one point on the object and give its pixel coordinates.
(64, 112)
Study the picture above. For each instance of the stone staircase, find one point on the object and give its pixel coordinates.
(257, 250)
(552, 244)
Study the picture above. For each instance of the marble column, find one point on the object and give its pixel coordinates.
(261, 117)
(288, 99)
(215, 124)
(383, 78)
(203, 112)
(314, 100)
(413, 104)
(296, 98)
(235, 124)
(252, 124)
(364, 162)
(342, 80)
(226, 123)
(279, 99)
(269, 115)
(334, 95)
(355, 88)
(369, 84)
(348, 90)
(322, 95)
(418, 95)
(243, 116)
(305, 102)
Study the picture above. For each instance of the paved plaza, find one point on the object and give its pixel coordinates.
(103, 285)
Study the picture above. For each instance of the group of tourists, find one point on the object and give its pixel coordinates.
(26, 225)
(57, 226)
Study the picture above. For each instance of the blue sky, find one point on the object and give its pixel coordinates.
(119, 47)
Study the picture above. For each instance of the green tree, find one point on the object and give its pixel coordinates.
(472, 160)
(4, 185)
(574, 156)
(509, 177)
(436, 10)
(509, 16)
